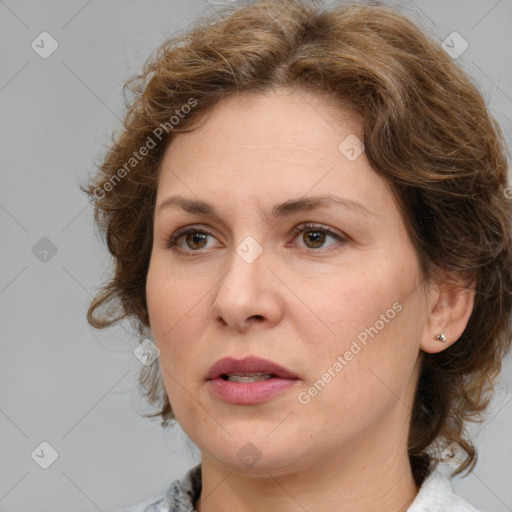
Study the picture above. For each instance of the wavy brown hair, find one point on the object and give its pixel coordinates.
(426, 130)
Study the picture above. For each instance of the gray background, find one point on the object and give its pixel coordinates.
(64, 383)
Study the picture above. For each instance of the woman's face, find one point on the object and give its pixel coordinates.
(340, 302)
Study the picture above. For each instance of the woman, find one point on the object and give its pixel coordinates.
(308, 214)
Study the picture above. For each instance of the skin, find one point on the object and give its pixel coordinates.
(301, 303)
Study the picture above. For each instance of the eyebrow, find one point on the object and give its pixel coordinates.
(279, 211)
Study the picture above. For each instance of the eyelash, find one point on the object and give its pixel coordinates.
(171, 242)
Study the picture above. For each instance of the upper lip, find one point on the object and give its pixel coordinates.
(248, 364)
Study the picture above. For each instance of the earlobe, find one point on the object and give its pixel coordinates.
(449, 312)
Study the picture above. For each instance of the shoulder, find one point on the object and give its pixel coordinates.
(180, 496)
(436, 495)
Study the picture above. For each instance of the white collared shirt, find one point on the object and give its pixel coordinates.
(436, 495)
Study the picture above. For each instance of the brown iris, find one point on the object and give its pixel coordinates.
(317, 237)
(195, 238)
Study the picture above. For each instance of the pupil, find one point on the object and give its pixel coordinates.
(316, 237)
(194, 236)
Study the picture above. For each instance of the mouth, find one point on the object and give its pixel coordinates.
(248, 369)
(249, 381)
(248, 377)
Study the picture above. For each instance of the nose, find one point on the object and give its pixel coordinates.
(248, 295)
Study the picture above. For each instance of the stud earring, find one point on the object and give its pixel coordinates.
(440, 337)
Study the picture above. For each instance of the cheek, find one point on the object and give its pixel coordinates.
(169, 297)
(350, 302)
(387, 346)
(178, 310)
(160, 300)
(171, 314)
(375, 319)
(367, 371)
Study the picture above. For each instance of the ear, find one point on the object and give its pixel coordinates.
(450, 306)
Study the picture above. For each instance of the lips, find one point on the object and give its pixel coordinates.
(250, 364)
(249, 391)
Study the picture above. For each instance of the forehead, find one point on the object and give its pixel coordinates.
(294, 120)
(276, 146)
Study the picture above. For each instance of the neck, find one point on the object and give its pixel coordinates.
(373, 474)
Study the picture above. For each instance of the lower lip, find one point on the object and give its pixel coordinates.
(247, 393)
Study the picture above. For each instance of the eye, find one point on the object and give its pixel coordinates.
(314, 236)
(194, 238)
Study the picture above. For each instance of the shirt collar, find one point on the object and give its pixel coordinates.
(183, 494)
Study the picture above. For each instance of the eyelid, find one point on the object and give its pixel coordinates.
(310, 226)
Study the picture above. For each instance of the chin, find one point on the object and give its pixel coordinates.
(255, 455)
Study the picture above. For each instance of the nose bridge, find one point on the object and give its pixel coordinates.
(244, 291)
(246, 266)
